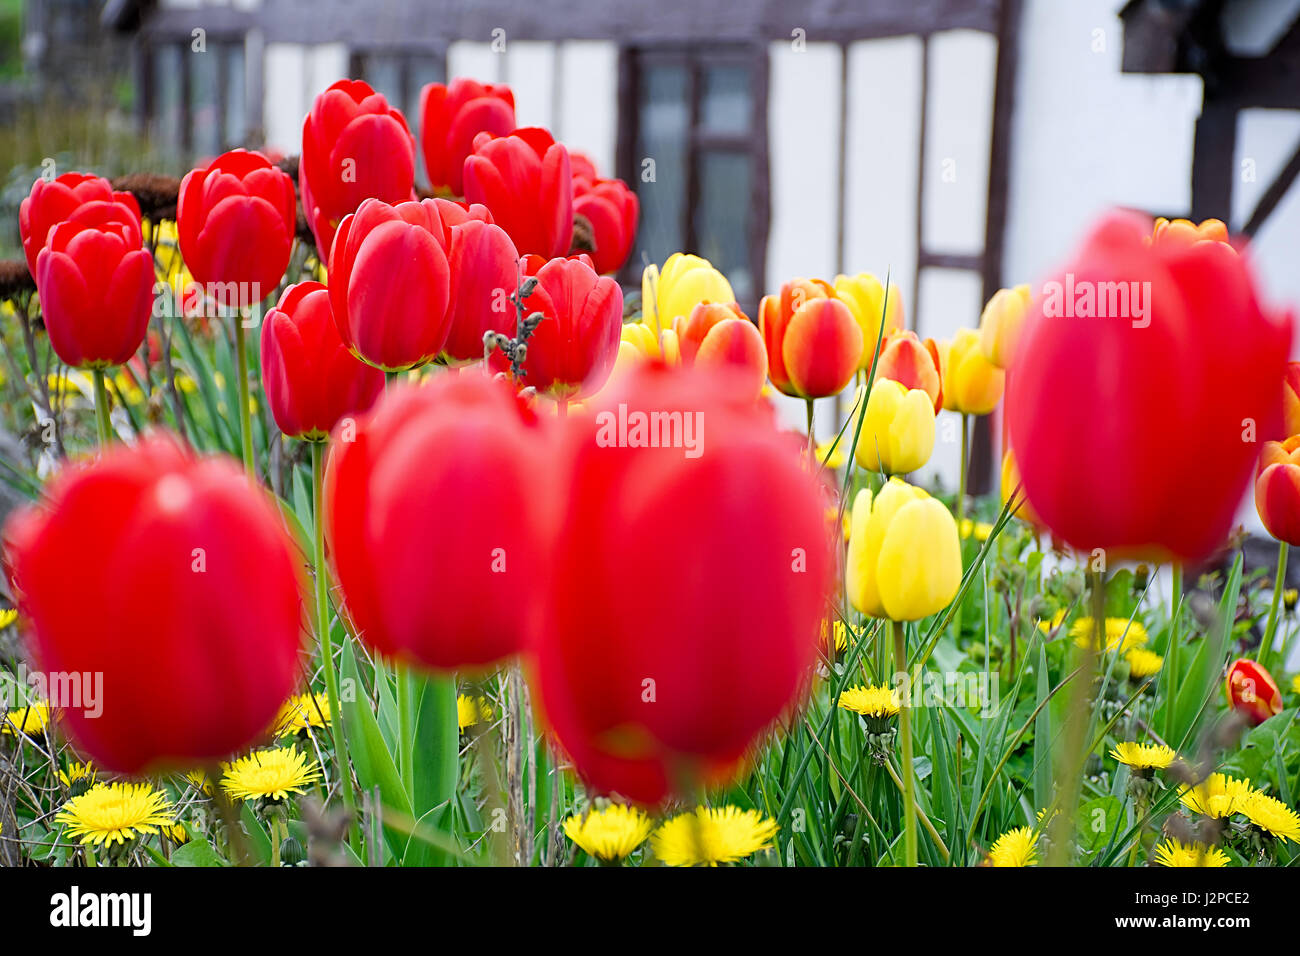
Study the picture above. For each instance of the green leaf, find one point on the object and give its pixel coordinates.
(196, 853)
(1043, 735)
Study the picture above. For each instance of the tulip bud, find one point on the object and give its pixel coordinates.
(904, 559)
(1252, 692)
(897, 434)
(1001, 322)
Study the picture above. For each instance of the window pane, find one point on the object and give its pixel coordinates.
(166, 90)
(205, 125)
(424, 70)
(726, 101)
(664, 137)
(384, 73)
(722, 217)
(235, 121)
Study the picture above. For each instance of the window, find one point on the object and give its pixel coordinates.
(400, 74)
(195, 102)
(693, 144)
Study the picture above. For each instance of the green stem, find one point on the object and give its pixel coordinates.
(341, 755)
(1078, 736)
(964, 470)
(406, 726)
(103, 425)
(812, 442)
(245, 415)
(1170, 677)
(1279, 585)
(905, 732)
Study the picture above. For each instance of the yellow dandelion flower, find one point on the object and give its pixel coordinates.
(1176, 853)
(1144, 756)
(1295, 683)
(1216, 796)
(1143, 663)
(77, 772)
(198, 779)
(1047, 627)
(1121, 634)
(471, 710)
(269, 774)
(302, 712)
(710, 836)
(979, 530)
(841, 632)
(1289, 597)
(176, 833)
(835, 459)
(30, 719)
(609, 834)
(1271, 814)
(7, 616)
(115, 813)
(871, 701)
(1018, 847)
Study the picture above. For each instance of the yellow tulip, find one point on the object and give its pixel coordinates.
(641, 337)
(864, 294)
(972, 384)
(1001, 322)
(904, 559)
(1010, 481)
(683, 283)
(898, 432)
(671, 346)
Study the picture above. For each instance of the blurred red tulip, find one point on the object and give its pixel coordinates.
(451, 116)
(912, 364)
(439, 522)
(1135, 344)
(96, 287)
(235, 221)
(389, 282)
(310, 378)
(524, 178)
(716, 335)
(813, 342)
(1252, 692)
(354, 147)
(484, 274)
(688, 587)
(190, 610)
(1277, 489)
(572, 351)
(611, 209)
(61, 199)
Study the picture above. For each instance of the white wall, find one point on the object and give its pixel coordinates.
(296, 75)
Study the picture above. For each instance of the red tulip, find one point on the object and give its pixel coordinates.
(191, 609)
(450, 118)
(1252, 692)
(611, 209)
(311, 379)
(439, 524)
(235, 220)
(354, 147)
(1137, 346)
(389, 282)
(51, 203)
(524, 179)
(572, 352)
(1277, 489)
(688, 588)
(484, 270)
(912, 364)
(96, 288)
(716, 335)
(813, 342)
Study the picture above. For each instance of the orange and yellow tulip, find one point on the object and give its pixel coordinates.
(813, 342)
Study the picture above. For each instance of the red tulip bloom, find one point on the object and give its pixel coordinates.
(389, 283)
(439, 523)
(611, 209)
(235, 220)
(813, 342)
(51, 203)
(450, 118)
(191, 609)
(1277, 489)
(311, 379)
(96, 288)
(1136, 346)
(572, 352)
(721, 335)
(354, 147)
(1252, 692)
(524, 178)
(690, 580)
(484, 268)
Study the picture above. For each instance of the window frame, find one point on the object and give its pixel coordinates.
(219, 43)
